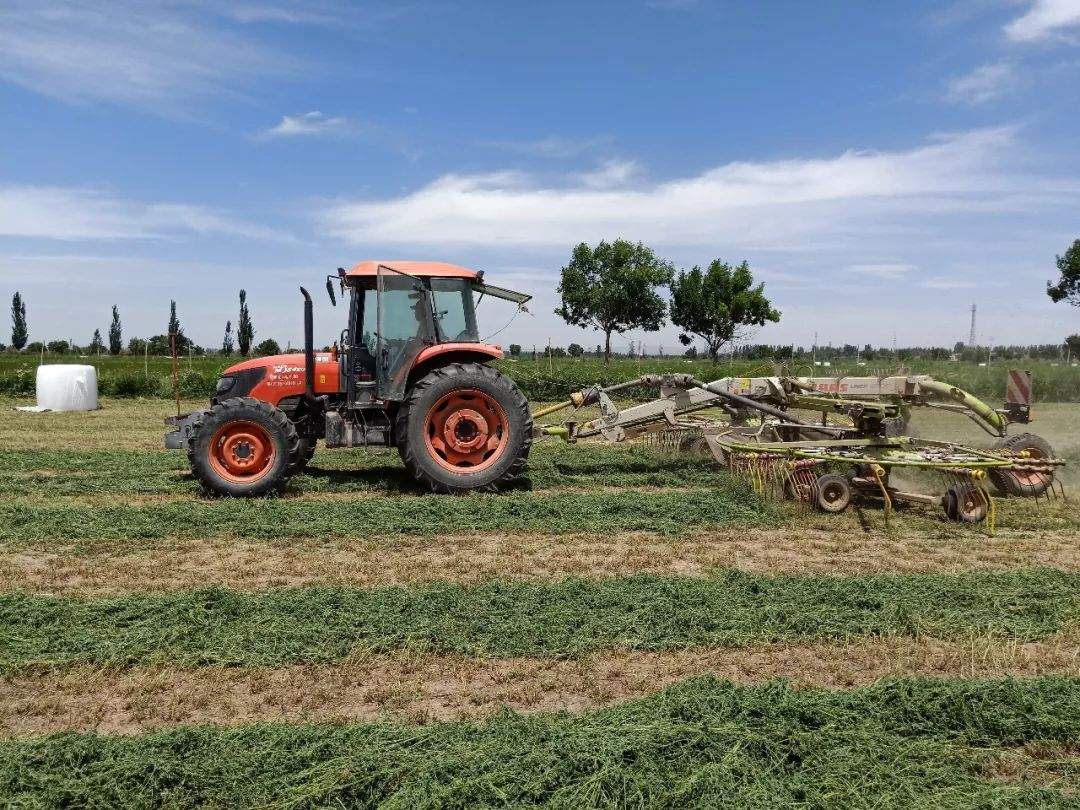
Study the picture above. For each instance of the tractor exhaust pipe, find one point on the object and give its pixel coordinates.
(309, 350)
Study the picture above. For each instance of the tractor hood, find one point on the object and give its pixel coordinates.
(282, 363)
(278, 376)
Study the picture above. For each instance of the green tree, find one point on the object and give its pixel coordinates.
(116, 340)
(1068, 286)
(515, 349)
(245, 332)
(718, 305)
(575, 350)
(613, 288)
(19, 332)
(227, 347)
(267, 347)
(1072, 343)
(57, 347)
(136, 346)
(97, 345)
(183, 343)
(159, 346)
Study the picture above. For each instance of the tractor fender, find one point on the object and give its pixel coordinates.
(444, 354)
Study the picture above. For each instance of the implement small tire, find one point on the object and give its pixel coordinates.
(242, 448)
(831, 493)
(964, 503)
(1023, 484)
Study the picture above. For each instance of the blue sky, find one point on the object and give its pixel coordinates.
(880, 165)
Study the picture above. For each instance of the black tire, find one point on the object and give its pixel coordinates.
(963, 503)
(832, 493)
(206, 447)
(305, 449)
(695, 446)
(1023, 486)
(412, 423)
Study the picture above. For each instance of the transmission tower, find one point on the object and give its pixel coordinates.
(971, 336)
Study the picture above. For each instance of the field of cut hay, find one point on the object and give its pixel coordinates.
(626, 628)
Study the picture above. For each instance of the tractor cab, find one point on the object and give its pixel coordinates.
(403, 315)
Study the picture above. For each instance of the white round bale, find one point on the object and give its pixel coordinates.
(67, 388)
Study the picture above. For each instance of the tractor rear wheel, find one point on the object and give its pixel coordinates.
(1023, 483)
(242, 447)
(462, 427)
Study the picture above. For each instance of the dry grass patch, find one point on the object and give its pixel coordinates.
(120, 424)
(427, 687)
(1045, 765)
(246, 565)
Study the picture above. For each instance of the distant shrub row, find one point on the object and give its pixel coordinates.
(554, 380)
(192, 383)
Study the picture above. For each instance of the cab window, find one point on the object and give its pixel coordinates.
(455, 315)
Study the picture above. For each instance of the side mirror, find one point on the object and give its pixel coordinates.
(330, 292)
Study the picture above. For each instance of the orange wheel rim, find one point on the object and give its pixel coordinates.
(1031, 479)
(242, 452)
(970, 505)
(466, 431)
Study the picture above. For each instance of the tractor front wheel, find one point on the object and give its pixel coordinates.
(463, 427)
(242, 447)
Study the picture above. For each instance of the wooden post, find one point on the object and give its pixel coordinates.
(175, 371)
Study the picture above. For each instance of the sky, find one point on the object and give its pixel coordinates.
(881, 166)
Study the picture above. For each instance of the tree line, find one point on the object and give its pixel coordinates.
(161, 344)
(613, 288)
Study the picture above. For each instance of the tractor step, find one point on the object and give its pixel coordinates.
(178, 439)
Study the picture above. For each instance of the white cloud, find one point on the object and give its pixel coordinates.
(552, 146)
(947, 283)
(310, 123)
(144, 54)
(984, 83)
(777, 204)
(612, 174)
(52, 212)
(672, 4)
(291, 12)
(1045, 19)
(887, 272)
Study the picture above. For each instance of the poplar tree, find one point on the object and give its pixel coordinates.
(245, 332)
(18, 322)
(227, 346)
(116, 342)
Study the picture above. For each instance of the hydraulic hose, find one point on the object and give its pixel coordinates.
(969, 401)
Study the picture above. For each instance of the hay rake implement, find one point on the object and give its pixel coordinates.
(848, 453)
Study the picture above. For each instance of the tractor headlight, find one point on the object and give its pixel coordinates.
(224, 384)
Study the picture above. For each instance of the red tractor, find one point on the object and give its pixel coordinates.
(410, 373)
